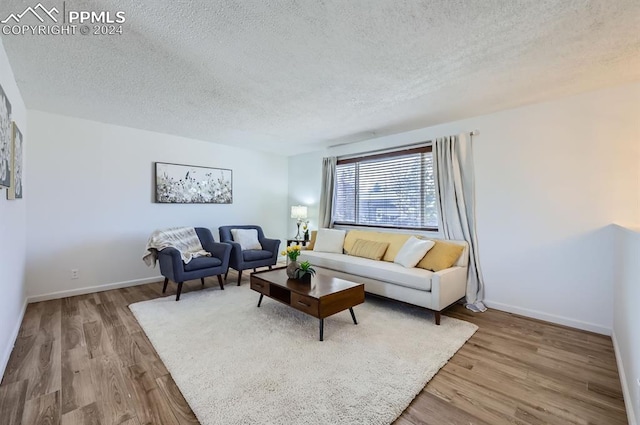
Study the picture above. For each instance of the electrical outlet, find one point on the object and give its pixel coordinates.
(75, 273)
(638, 392)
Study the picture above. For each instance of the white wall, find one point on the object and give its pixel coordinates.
(550, 178)
(90, 199)
(626, 319)
(305, 174)
(12, 231)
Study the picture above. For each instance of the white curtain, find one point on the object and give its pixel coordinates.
(326, 195)
(455, 191)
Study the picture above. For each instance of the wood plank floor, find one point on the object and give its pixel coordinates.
(85, 360)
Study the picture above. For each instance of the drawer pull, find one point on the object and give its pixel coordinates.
(259, 285)
(304, 304)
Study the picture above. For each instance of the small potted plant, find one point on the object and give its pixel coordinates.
(304, 272)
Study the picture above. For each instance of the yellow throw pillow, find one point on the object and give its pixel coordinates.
(395, 241)
(442, 256)
(352, 236)
(368, 249)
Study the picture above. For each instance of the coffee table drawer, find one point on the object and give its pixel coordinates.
(303, 303)
(261, 287)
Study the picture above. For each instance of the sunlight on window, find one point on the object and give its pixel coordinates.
(392, 190)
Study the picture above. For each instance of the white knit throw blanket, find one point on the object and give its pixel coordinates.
(184, 239)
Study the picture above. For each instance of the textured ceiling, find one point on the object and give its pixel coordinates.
(292, 76)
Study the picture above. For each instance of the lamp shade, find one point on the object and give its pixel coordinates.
(299, 212)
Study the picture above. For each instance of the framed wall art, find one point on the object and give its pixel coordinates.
(5, 140)
(191, 184)
(15, 188)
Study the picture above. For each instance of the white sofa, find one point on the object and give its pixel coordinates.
(432, 290)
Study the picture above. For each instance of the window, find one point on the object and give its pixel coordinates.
(394, 190)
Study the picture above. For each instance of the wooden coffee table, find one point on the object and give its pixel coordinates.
(324, 296)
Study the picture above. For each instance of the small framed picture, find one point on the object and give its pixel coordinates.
(5, 140)
(15, 188)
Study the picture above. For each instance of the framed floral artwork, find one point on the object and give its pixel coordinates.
(5, 140)
(191, 184)
(15, 188)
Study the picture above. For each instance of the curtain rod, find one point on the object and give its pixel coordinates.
(400, 147)
(471, 133)
(384, 150)
(395, 148)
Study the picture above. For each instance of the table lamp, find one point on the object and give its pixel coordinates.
(299, 212)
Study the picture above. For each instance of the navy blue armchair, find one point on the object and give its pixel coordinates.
(250, 258)
(172, 267)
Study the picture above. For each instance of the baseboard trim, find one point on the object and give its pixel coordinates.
(560, 320)
(92, 289)
(626, 391)
(14, 336)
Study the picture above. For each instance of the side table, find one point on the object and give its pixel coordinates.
(297, 242)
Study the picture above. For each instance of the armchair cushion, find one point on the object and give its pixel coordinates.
(202, 263)
(255, 254)
(247, 238)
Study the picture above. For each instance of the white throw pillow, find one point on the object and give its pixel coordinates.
(412, 251)
(247, 238)
(330, 240)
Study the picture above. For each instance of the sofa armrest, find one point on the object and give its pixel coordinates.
(448, 286)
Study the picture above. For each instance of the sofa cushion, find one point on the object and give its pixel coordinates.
(369, 249)
(247, 238)
(256, 254)
(395, 241)
(412, 251)
(199, 263)
(380, 270)
(329, 240)
(442, 256)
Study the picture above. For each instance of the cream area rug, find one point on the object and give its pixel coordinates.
(236, 363)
